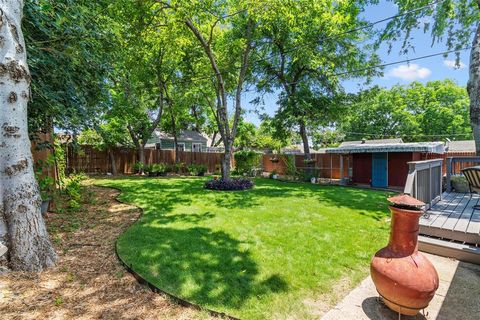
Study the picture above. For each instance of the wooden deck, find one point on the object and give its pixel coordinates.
(453, 218)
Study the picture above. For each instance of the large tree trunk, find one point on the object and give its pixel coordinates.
(111, 156)
(22, 227)
(141, 157)
(473, 88)
(306, 145)
(226, 162)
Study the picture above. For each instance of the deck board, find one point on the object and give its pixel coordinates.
(437, 209)
(454, 218)
(474, 225)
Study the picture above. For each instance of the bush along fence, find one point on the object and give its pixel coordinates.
(89, 160)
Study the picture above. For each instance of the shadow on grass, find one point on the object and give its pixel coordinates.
(205, 267)
(160, 196)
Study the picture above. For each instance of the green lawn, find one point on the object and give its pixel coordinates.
(254, 254)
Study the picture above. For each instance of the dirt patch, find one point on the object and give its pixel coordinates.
(88, 281)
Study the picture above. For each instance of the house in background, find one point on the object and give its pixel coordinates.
(384, 163)
(187, 140)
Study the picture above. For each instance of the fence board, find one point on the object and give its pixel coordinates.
(89, 160)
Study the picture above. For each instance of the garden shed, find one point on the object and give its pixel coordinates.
(384, 164)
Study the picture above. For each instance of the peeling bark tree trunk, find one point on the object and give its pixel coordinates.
(22, 227)
(473, 88)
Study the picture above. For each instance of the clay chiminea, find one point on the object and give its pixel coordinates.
(404, 277)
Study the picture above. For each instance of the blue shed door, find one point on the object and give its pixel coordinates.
(379, 170)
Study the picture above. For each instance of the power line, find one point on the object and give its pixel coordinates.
(403, 61)
(351, 31)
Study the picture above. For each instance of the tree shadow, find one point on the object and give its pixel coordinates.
(462, 300)
(205, 267)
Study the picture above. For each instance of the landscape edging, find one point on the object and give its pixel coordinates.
(150, 285)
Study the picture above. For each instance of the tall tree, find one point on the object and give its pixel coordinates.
(225, 31)
(22, 227)
(455, 21)
(308, 48)
(417, 112)
(68, 45)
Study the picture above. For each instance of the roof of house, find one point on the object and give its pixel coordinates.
(186, 135)
(378, 141)
(427, 147)
(461, 146)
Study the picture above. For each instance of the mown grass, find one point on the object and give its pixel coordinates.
(254, 254)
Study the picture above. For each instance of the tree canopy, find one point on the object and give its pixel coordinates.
(416, 112)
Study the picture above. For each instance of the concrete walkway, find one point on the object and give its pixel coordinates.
(458, 296)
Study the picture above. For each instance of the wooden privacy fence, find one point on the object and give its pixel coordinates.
(326, 166)
(458, 166)
(92, 161)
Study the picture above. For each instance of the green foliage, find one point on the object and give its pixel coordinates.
(138, 166)
(451, 21)
(309, 79)
(197, 169)
(60, 162)
(415, 112)
(290, 167)
(159, 168)
(177, 167)
(73, 186)
(246, 161)
(148, 168)
(67, 49)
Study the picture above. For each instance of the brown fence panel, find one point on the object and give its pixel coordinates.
(92, 161)
(325, 165)
(457, 167)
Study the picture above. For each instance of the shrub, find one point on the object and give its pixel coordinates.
(177, 167)
(290, 168)
(148, 168)
(197, 169)
(138, 166)
(73, 189)
(247, 161)
(159, 168)
(229, 185)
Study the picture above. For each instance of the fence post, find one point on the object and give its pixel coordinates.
(449, 174)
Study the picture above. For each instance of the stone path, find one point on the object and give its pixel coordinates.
(458, 296)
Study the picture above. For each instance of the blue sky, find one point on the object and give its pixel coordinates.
(430, 69)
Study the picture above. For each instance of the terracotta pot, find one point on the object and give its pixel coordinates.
(404, 277)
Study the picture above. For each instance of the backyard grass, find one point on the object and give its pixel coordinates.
(254, 254)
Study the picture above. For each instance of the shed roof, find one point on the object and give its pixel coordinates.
(428, 147)
(461, 146)
(377, 141)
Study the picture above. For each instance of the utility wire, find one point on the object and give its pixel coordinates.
(336, 36)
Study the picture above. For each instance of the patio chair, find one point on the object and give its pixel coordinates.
(473, 178)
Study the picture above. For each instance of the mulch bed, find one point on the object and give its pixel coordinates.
(88, 281)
